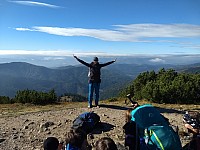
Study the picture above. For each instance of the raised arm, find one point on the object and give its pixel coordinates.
(108, 63)
(81, 61)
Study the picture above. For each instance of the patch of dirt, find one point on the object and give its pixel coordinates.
(28, 131)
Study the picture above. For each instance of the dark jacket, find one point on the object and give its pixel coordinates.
(95, 70)
(131, 137)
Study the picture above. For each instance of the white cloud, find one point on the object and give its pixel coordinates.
(61, 54)
(33, 3)
(54, 58)
(157, 60)
(130, 33)
(56, 54)
(102, 34)
(36, 52)
(23, 29)
(161, 30)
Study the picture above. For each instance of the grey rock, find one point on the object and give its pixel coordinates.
(31, 123)
(46, 124)
(25, 127)
(14, 136)
(2, 140)
(26, 120)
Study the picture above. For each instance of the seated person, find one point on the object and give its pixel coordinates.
(147, 128)
(192, 123)
(131, 140)
(105, 143)
(76, 140)
(52, 143)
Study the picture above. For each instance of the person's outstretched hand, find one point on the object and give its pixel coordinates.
(115, 60)
(75, 56)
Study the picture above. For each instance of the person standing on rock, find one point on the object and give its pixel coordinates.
(94, 78)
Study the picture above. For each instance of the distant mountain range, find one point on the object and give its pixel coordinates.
(193, 68)
(73, 79)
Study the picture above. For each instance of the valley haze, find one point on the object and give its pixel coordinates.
(52, 61)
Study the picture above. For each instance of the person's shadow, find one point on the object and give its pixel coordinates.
(102, 127)
(113, 107)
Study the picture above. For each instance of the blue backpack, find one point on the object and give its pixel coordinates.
(86, 121)
(155, 129)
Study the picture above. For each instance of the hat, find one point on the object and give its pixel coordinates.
(51, 143)
(96, 59)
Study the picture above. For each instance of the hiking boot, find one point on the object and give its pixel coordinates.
(97, 106)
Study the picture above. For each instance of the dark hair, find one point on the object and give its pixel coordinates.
(51, 143)
(96, 59)
(75, 137)
(105, 143)
(194, 115)
(128, 115)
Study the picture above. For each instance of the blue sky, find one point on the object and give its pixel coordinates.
(59, 28)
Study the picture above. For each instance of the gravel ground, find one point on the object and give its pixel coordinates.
(28, 131)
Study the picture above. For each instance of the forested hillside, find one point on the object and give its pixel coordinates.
(166, 86)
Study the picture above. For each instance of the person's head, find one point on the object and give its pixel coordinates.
(75, 137)
(195, 115)
(51, 143)
(95, 59)
(128, 115)
(105, 143)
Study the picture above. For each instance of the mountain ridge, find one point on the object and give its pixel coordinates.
(19, 76)
(72, 79)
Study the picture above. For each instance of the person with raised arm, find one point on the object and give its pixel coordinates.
(94, 78)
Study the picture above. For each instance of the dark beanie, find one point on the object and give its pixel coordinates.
(51, 143)
(95, 59)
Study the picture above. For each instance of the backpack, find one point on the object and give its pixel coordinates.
(94, 72)
(155, 129)
(86, 121)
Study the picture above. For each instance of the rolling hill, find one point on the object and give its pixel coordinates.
(70, 79)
